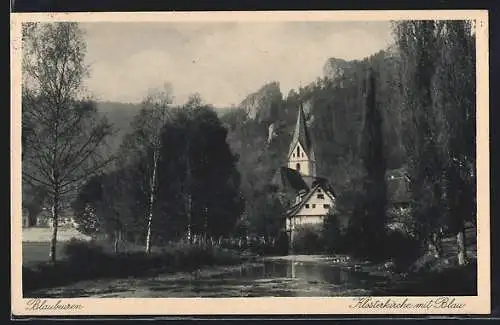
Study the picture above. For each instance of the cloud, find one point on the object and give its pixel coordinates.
(223, 62)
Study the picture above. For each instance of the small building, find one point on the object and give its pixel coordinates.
(308, 197)
(398, 200)
(311, 207)
(398, 188)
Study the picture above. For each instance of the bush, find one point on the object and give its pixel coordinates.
(449, 281)
(80, 251)
(261, 248)
(333, 234)
(307, 240)
(88, 260)
(402, 249)
(281, 245)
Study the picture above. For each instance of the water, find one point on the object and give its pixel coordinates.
(274, 278)
(292, 277)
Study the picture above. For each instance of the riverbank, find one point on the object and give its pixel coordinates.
(131, 287)
(205, 272)
(264, 277)
(290, 276)
(439, 277)
(87, 261)
(453, 280)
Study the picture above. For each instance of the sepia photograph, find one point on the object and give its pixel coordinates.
(251, 158)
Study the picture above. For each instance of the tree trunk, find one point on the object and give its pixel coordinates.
(205, 221)
(117, 241)
(432, 248)
(188, 196)
(55, 224)
(437, 242)
(461, 247)
(188, 213)
(151, 202)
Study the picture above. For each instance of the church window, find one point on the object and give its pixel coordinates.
(293, 155)
(326, 206)
(314, 205)
(297, 167)
(307, 206)
(321, 196)
(298, 151)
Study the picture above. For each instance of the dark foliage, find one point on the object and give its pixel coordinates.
(88, 261)
(307, 240)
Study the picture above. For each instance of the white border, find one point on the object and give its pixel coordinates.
(181, 306)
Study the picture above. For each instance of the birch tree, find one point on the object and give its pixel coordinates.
(146, 140)
(65, 144)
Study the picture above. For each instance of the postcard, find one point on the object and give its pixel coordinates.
(238, 163)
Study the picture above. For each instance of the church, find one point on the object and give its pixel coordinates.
(312, 196)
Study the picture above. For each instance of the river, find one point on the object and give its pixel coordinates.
(290, 276)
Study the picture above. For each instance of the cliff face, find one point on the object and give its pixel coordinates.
(264, 104)
(260, 130)
(335, 68)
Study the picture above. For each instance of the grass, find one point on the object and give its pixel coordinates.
(91, 260)
(36, 243)
(38, 252)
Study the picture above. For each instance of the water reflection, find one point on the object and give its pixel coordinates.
(286, 278)
(313, 272)
(271, 278)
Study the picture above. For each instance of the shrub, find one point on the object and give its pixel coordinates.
(402, 248)
(334, 234)
(260, 248)
(78, 249)
(88, 260)
(449, 281)
(281, 245)
(307, 240)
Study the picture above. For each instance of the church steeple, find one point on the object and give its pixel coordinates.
(301, 153)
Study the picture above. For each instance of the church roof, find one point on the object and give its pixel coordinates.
(289, 179)
(301, 135)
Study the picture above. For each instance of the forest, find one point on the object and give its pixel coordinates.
(197, 172)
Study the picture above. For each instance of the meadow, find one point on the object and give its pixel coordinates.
(36, 243)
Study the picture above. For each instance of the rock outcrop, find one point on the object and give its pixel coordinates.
(263, 105)
(334, 68)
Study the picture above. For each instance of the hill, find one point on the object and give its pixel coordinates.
(120, 115)
(260, 128)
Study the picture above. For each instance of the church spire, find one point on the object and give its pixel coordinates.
(301, 134)
(301, 153)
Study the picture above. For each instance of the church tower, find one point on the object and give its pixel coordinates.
(301, 155)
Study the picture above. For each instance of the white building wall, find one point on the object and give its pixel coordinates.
(301, 158)
(318, 204)
(313, 211)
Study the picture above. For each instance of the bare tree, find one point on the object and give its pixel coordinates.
(64, 145)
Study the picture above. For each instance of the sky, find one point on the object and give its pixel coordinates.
(223, 62)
